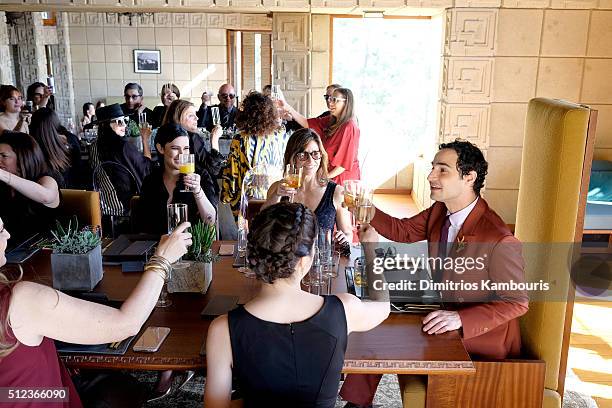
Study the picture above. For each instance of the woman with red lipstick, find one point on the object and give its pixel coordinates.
(317, 191)
(339, 133)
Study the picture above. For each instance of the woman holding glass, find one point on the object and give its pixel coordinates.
(339, 132)
(168, 94)
(170, 185)
(33, 315)
(260, 144)
(28, 194)
(317, 192)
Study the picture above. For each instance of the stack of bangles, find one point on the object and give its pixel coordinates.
(159, 265)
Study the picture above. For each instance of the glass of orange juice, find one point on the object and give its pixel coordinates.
(186, 166)
(293, 177)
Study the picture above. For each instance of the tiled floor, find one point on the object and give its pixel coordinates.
(590, 354)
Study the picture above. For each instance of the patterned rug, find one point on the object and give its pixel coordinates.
(387, 396)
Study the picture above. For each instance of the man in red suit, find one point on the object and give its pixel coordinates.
(460, 224)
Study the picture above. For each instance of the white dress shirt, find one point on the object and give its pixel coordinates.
(457, 219)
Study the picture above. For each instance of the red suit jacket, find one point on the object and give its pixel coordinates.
(489, 317)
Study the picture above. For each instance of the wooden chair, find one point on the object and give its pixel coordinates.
(84, 204)
(555, 170)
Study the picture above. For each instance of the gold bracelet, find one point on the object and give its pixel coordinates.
(157, 270)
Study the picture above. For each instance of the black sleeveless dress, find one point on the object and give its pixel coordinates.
(289, 365)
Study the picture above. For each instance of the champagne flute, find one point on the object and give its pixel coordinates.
(186, 166)
(243, 232)
(351, 187)
(177, 214)
(292, 178)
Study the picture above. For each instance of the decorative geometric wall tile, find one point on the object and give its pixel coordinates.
(469, 122)
(574, 4)
(429, 3)
(232, 21)
(94, 19)
(467, 80)
(477, 3)
(256, 22)
(291, 70)
(294, 4)
(146, 20)
(162, 19)
(297, 99)
(197, 20)
(180, 20)
(472, 32)
(525, 3)
(77, 19)
(291, 32)
(335, 3)
(214, 20)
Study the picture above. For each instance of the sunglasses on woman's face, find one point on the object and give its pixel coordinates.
(335, 99)
(121, 121)
(303, 156)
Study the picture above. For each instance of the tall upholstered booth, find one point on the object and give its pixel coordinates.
(556, 164)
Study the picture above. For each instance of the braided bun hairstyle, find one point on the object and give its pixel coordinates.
(278, 237)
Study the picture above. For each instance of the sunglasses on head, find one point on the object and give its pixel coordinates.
(120, 121)
(224, 95)
(303, 156)
(132, 96)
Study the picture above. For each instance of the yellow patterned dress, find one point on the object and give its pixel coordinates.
(258, 156)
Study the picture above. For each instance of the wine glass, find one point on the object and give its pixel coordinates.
(332, 271)
(177, 214)
(243, 232)
(186, 166)
(216, 117)
(292, 178)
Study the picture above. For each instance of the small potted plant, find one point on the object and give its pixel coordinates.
(196, 277)
(76, 261)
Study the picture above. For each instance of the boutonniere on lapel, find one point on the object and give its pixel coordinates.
(461, 244)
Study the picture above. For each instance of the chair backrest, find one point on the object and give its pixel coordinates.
(557, 155)
(84, 204)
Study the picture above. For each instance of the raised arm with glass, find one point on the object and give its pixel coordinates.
(186, 166)
(292, 178)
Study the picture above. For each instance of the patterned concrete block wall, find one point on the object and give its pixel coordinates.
(193, 50)
(7, 74)
(496, 59)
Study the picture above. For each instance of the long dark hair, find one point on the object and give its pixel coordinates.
(346, 115)
(86, 106)
(30, 159)
(279, 236)
(298, 142)
(45, 128)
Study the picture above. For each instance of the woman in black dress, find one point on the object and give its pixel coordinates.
(317, 192)
(163, 186)
(286, 346)
(28, 195)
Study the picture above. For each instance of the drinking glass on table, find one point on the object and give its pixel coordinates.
(243, 232)
(186, 166)
(292, 178)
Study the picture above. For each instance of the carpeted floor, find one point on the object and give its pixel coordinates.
(387, 395)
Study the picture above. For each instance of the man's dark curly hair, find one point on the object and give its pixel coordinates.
(470, 158)
(279, 236)
(257, 115)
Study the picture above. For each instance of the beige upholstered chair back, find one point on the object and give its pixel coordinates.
(556, 155)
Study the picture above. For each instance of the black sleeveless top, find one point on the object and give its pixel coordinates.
(289, 365)
(326, 211)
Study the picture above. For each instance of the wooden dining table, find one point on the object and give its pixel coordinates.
(398, 345)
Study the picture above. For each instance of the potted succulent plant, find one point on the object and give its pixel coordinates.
(196, 277)
(76, 261)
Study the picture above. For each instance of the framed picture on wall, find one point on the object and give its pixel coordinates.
(147, 61)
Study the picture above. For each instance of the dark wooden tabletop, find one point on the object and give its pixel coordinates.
(398, 345)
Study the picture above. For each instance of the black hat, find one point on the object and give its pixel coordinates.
(109, 112)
